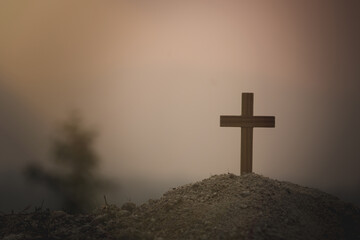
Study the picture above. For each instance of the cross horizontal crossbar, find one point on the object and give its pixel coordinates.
(247, 121)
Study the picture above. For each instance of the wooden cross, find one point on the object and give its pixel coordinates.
(247, 121)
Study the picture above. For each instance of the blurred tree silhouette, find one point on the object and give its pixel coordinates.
(74, 178)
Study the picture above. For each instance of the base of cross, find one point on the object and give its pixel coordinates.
(247, 121)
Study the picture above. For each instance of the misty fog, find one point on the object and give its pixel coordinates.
(153, 80)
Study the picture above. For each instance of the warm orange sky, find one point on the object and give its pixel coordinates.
(154, 77)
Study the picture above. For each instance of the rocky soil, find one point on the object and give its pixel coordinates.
(220, 207)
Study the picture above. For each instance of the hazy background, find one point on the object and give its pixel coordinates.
(153, 77)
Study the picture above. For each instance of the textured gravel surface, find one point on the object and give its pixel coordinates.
(220, 207)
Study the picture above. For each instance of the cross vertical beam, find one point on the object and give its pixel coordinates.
(247, 110)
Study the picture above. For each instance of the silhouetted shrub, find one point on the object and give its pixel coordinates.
(74, 177)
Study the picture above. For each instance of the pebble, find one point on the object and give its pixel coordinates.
(122, 213)
(245, 193)
(243, 205)
(129, 206)
(58, 214)
(99, 219)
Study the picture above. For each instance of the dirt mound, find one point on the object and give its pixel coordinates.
(220, 207)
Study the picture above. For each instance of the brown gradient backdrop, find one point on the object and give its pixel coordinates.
(154, 76)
